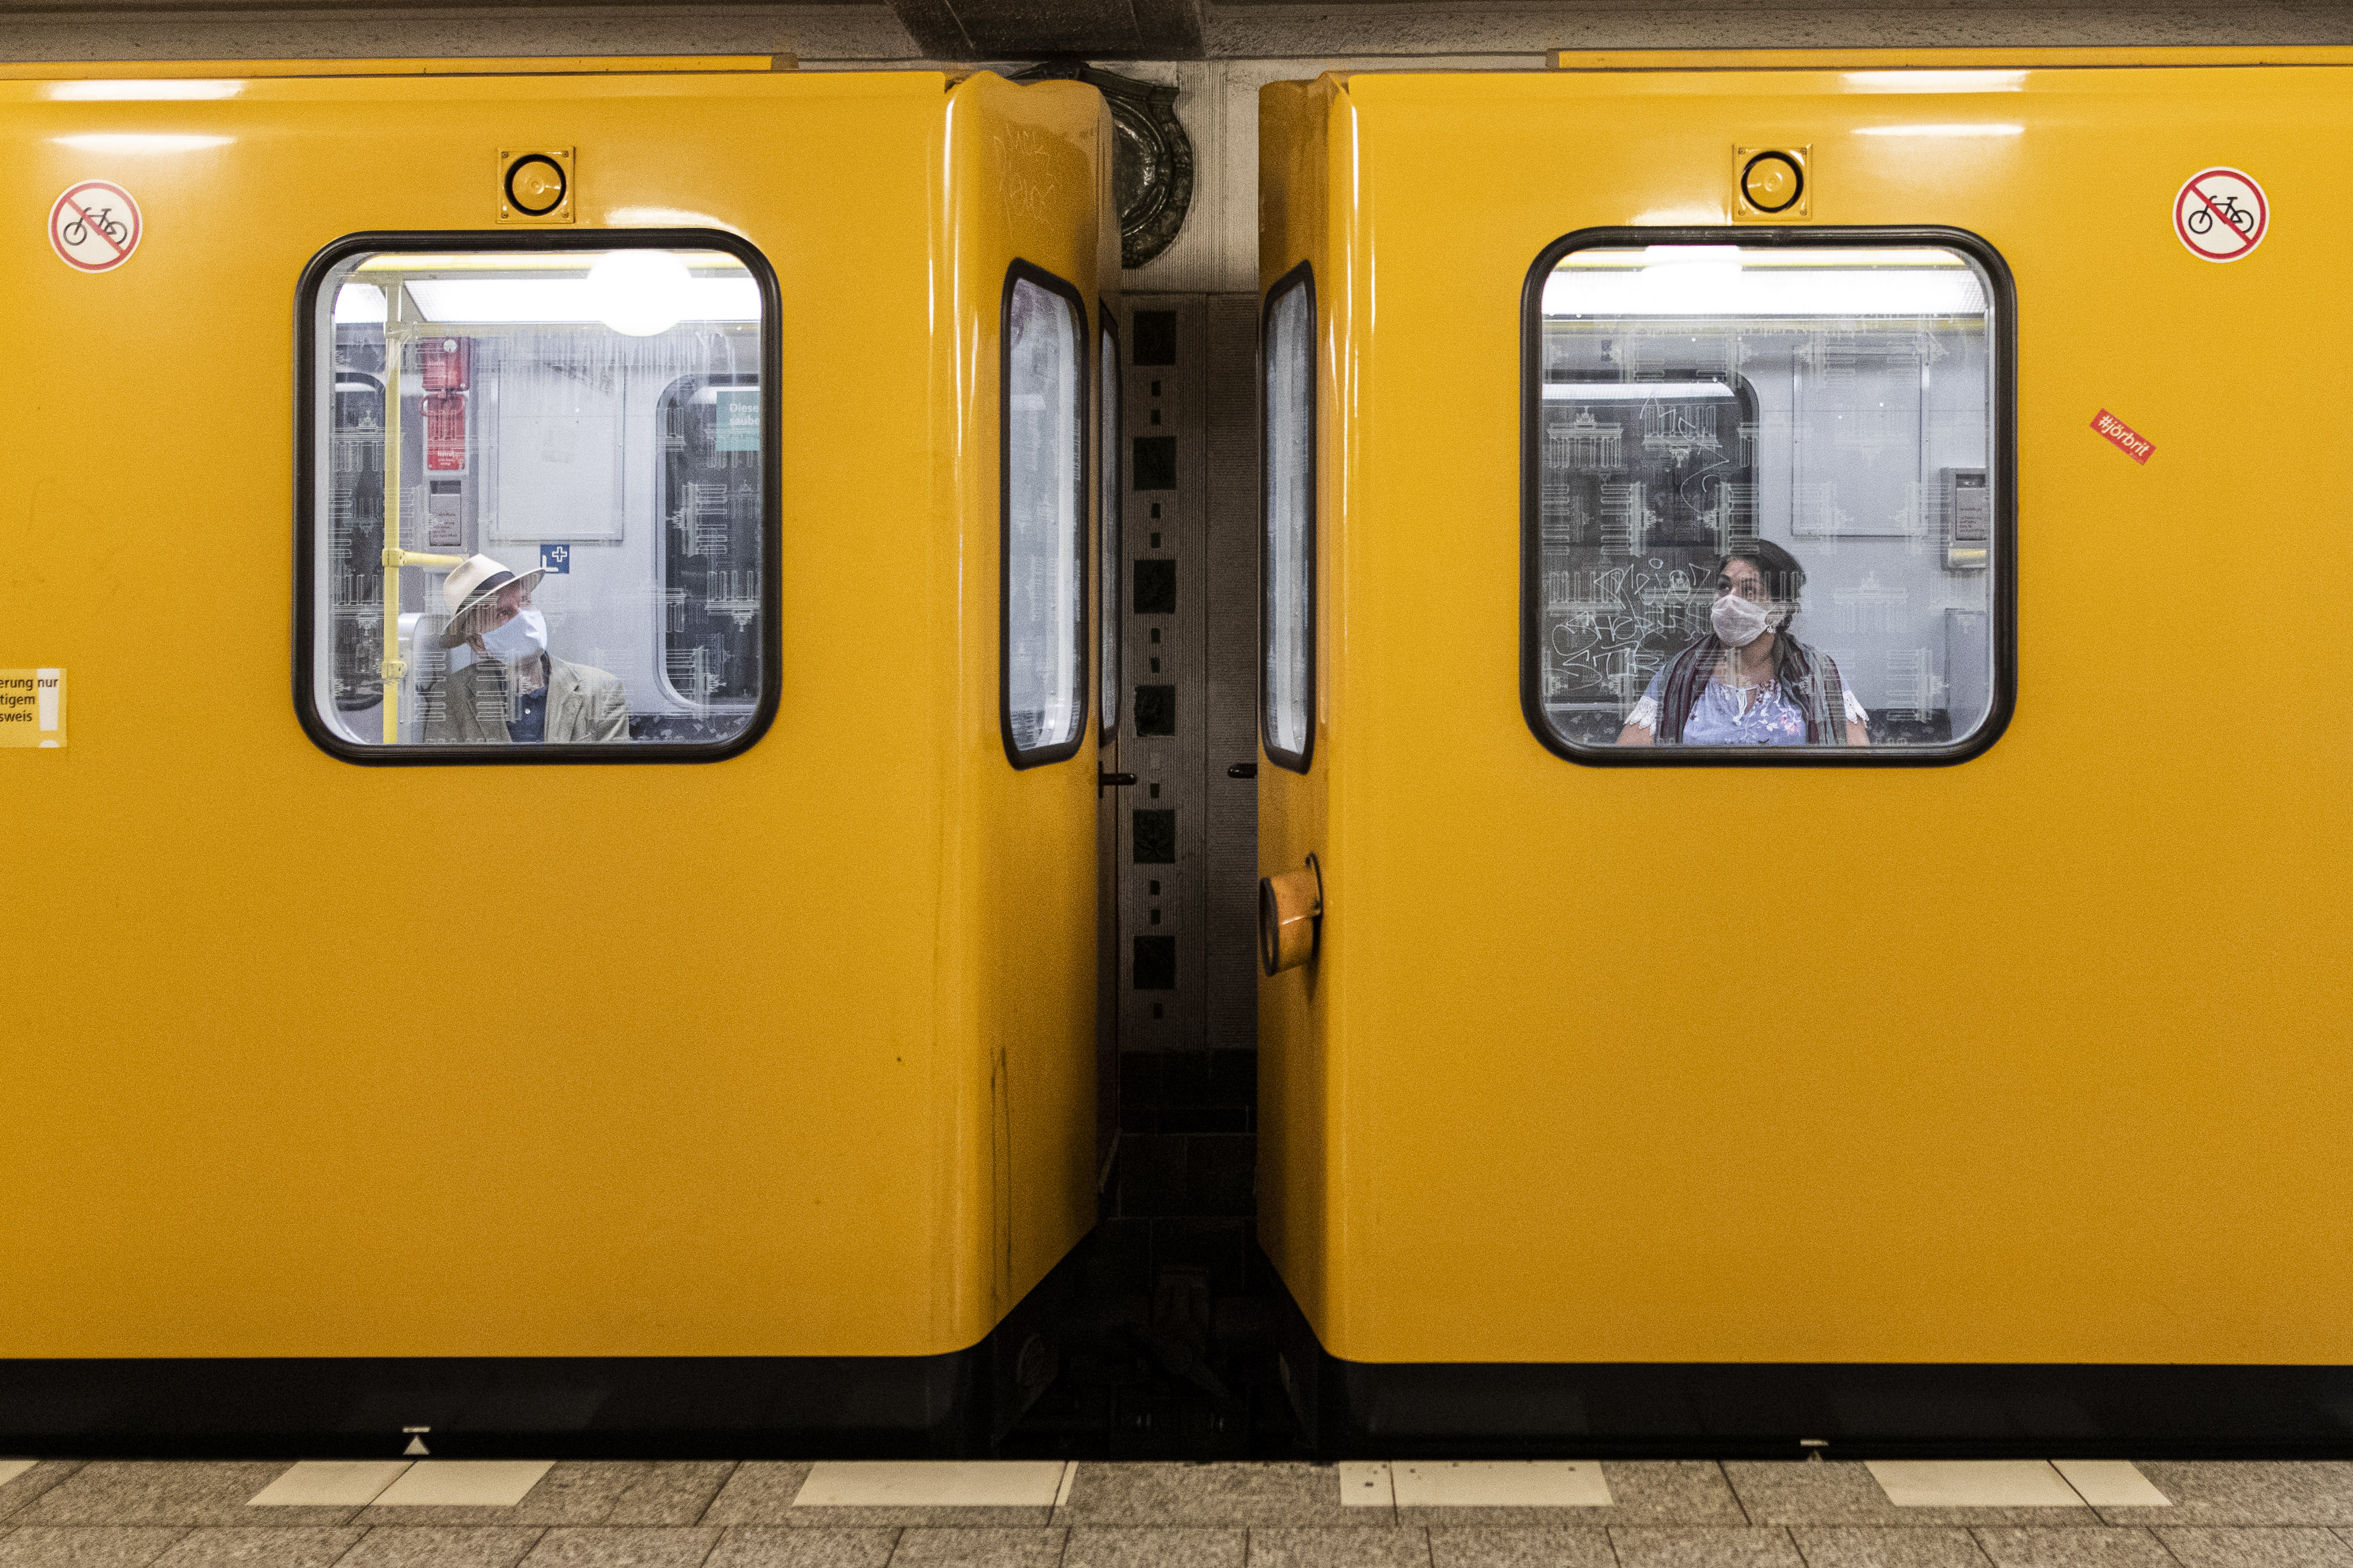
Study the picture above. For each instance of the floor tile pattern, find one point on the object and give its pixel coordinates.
(1645, 1491)
(1883, 1546)
(1703, 1546)
(718, 1514)
(2279, 1491)
(1806, 1491)
(262, 1548)
(1168, 1547)
(1532, 1548)
(2073, 1547)
(778, 1546)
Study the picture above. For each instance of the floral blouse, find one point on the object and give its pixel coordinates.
(1721, 718)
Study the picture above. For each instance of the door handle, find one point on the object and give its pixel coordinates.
(1114, 780)
(1242, 771)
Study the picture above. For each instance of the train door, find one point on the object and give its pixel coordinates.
(571, 894)
(1781, 597)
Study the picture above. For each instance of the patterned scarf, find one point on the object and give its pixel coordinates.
(1808, 678)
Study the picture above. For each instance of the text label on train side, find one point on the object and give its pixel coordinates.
(2135, 446)
(33, 707)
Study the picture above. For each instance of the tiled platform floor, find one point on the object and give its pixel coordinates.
(694, 1514)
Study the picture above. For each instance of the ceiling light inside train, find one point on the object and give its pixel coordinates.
(359, 304)
(1672, 271)
(640, 292)
(525, 301)
(1721, 281)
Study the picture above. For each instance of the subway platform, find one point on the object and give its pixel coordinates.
(588, 1513)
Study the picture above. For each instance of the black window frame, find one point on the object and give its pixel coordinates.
(1110, 474)
(1019, 272)
(307, 458)
(2003, 462)
(1302, 277)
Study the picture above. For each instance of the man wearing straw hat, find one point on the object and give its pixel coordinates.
(515, 691)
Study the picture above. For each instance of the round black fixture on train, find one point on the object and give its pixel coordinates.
(1772, 182)
(1152, 156)
(535, 185)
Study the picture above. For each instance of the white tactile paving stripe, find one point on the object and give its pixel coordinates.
(465, 1483)
(11, 1468)
(1972, 1483)
(1499, 1483)
(1365, 1483)
(329, 1483)
(931, 1483)
(1070, 1479)
(2111, 1483)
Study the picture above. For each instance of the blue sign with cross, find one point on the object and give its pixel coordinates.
(555, 559)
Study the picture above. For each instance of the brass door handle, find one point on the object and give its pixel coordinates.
(1290, 917)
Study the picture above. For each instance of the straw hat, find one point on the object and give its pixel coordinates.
(477, 582)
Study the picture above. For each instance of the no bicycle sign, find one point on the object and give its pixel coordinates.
(2221, 214)
(94, 226)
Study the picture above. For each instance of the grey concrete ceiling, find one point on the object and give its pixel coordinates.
(1101, 29)
(909, 32)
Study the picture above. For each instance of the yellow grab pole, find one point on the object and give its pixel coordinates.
(393, 667)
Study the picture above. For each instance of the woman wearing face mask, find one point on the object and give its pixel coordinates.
(514, 690)
(1749, 682)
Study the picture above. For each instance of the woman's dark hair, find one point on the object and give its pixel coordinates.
(1783, 578)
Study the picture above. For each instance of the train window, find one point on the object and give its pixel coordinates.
(539, 493)
(1043, 433)
(1107, 418)
(1289, 610)
(1767, 496)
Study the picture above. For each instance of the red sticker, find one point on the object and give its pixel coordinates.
(94, 226)
(2221, 214)
(445, 431)
(444, 363)
(2135, 446)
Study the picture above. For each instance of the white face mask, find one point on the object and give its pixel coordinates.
(518, 638)
(1739, 621)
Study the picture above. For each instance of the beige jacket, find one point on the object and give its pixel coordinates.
(584, 705)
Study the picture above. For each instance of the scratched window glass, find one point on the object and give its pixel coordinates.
(1765, 502)
(1288, 688)
(1045, 499)
(539, 516)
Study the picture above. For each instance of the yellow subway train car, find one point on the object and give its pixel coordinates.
(1805, 875)
(552, 849)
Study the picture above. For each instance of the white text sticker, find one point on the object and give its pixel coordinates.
(32, 707)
